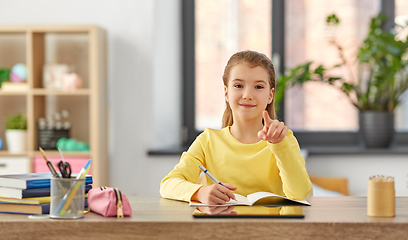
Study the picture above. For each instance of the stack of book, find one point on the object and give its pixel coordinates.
(29, 193)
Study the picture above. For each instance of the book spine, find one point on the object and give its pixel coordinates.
(42, 192)
(45, 208)
(47, 182)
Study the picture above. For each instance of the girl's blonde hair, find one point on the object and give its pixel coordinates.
(254, 59)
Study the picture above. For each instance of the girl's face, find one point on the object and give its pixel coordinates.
(248, 91)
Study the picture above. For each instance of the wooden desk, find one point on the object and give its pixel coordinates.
(155, 218)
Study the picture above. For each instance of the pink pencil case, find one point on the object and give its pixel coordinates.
(109, 202)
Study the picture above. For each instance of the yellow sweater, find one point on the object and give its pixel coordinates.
(262, 166)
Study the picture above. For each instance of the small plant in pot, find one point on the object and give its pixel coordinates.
(4, 75)
(382, 79)
(16, 132)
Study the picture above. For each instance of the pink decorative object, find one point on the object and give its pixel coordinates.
(77, 163)
(71, 81)
(15, 78)
(104, 200)
(53, 74)
(18, 73)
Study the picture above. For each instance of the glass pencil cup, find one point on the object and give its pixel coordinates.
(67, 198)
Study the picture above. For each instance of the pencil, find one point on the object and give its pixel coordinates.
(49, 164)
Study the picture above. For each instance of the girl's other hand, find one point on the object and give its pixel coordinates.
(215, 194)
(273, 130)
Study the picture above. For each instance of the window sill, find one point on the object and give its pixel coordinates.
(311, 150)
(321, 150)
(176, 151)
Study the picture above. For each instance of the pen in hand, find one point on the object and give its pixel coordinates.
(210, 175)
(215, 180)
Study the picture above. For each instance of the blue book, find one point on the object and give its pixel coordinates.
(31, 209)
(29, 193)
(32, 180)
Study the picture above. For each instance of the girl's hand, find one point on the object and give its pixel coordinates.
(273, 130)
(215, 194)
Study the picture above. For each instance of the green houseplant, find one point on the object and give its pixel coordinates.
(4, 75)
(16, 132)
(381, 80)
(16, 121)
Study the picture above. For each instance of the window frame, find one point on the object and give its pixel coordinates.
(317, 141)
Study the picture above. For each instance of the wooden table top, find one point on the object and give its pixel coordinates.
(157, 218)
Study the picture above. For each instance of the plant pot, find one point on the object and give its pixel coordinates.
(376, 128)
(16, 140)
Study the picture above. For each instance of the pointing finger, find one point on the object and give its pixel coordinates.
(266, 118)
(272, 129)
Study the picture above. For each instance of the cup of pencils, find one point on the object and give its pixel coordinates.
(381, 196)
(67, 198)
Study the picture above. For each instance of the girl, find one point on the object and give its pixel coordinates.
(253, 151)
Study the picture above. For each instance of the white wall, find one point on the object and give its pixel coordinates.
(143, 74)
(358, 168)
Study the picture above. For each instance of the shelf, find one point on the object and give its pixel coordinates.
(48, 153)
(47, 28)
(2, 93)
(44, 92)
(55, 153)
(4, 153)
(82, 47)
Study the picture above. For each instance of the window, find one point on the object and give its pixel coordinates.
(223, 27)
(217, 29)
(401, 18)
(316, 106)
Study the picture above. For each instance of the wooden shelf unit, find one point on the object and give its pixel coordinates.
(88, 105)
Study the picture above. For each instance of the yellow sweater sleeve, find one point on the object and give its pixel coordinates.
(291, 165)
(180, 183)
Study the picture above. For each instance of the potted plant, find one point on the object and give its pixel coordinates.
(16, 132)
(4, 75)
(382, 79)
